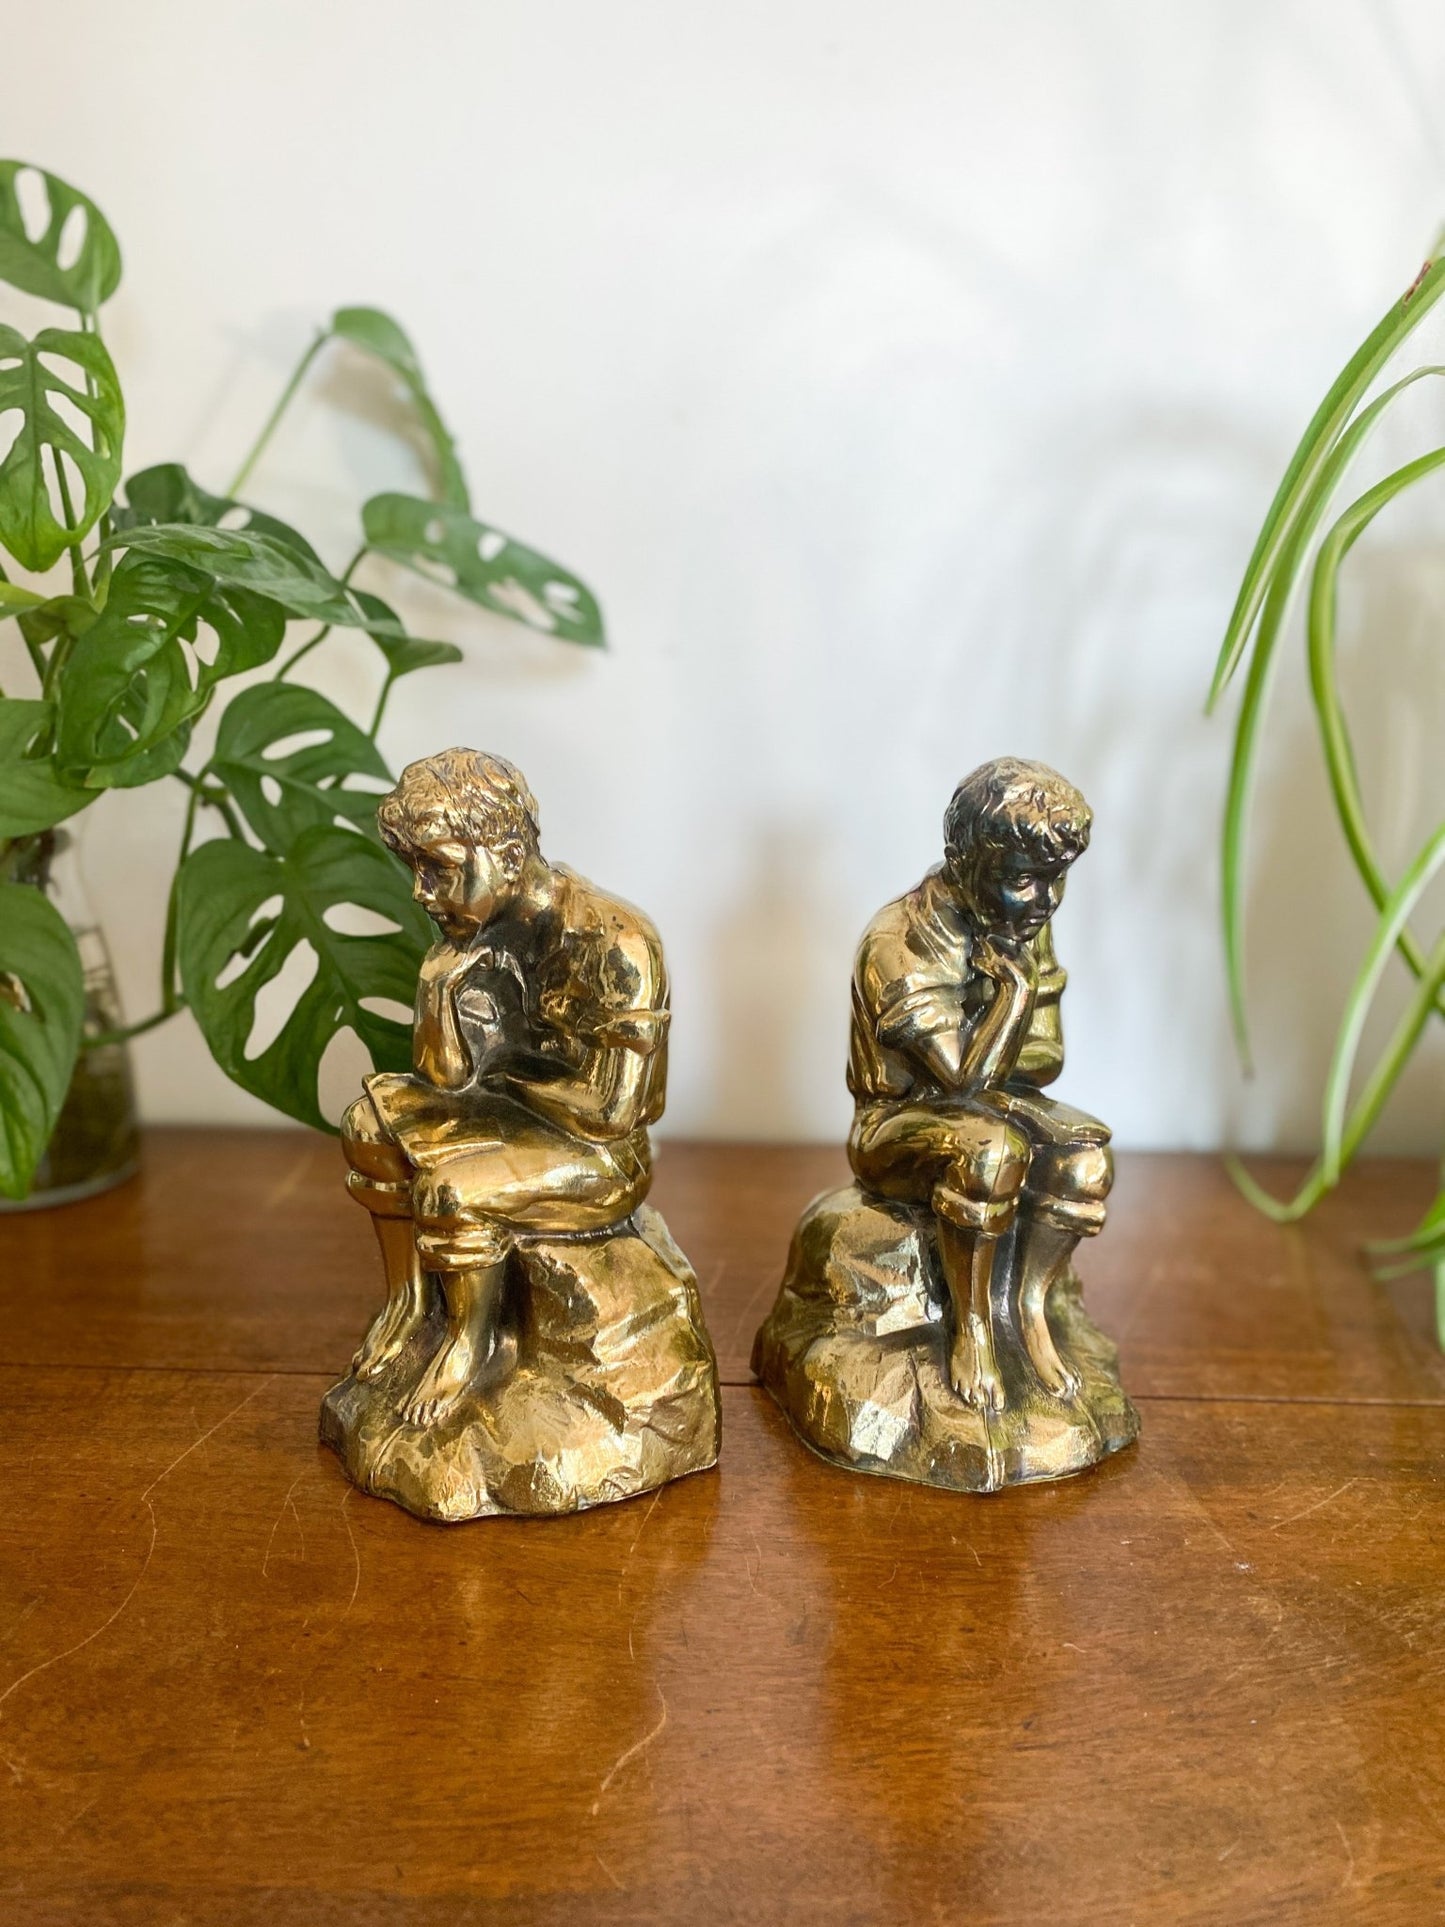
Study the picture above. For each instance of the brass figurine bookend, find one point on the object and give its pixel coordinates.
(541, 1348)
(929, 1324)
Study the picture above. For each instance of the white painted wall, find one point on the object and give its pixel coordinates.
(908, 380)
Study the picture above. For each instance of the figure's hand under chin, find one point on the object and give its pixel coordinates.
(1007, 959)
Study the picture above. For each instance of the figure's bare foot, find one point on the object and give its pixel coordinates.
(973, 1369)
(1057, 1378)
(389, 1334)
(443, 1381)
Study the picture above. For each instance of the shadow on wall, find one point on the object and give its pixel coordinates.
(775, 955)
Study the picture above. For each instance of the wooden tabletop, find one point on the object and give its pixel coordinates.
(1202, 1683)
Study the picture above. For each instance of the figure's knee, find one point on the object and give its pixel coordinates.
(1071, 1186)
(980, 1189)
(454, 1232)
(380, 1174)
(369, 1146)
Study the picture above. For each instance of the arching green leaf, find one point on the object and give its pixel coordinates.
(54, 378)
(379, 335)
(145, 668)
(446, 545)
(1327, 422)
(1312, 507)
(252, 559)
(74, 228)
(222, 914)
(42, 1003)
(167, 493)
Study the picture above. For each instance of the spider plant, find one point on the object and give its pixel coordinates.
(1290, 548)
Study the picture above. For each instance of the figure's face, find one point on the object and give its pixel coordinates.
(461, 886)
(1013, 893)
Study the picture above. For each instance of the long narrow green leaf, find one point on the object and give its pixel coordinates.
(1343, 1137)
(1347, 1135)
(1334, 732)
(1429, 1231)
(1251, 710)
(1333, 413)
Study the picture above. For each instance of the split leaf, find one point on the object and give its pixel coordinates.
(224, 916)
(63, 465)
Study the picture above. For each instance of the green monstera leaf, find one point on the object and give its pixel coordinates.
(71, 229)
(42, 1004)
(285, 753)
(145, 668)
(253, 559)
(32, 796)
(379, 335)
(63, 465)
(409, 653)
(480, 563)
(242, 914)
(167, 493)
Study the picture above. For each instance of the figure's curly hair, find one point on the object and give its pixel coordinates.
(1011, 805)
(460, 794)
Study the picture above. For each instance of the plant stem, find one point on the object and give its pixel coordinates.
(380, 707)
(314, 642)
(274, 418)
(37, 657)
(124, 1032)
(79, 579)
(214, 798)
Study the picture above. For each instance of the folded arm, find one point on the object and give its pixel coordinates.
(605, 1091)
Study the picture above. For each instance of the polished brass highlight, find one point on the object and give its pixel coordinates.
(930, 1325)
(541, 1348)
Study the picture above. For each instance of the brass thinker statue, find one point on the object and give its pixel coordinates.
(930, 1325)
(541, 1347)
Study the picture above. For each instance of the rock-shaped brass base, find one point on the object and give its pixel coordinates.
(856, 1352)
(604, 1385)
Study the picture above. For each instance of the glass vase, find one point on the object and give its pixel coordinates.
(96, 1142)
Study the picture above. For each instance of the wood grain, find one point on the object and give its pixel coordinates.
(239, 1251)
(1201, 1684)
(1193, 1686)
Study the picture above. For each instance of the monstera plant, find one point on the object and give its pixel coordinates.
(142, 603)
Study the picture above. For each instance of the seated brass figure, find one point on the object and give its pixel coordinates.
(541, 1347)
(930, 1324)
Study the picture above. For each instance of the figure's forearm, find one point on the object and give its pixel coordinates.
(601, 1105)
(440, 1052)
(993, 1049)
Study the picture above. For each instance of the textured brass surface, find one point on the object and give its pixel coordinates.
(930, 1324)
(541, 1348)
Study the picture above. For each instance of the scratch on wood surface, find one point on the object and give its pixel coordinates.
(608, 1871)
(355, 1550)
(288, 1503)
(631, 1753)
(145, 1499)
(750, 1307)
(637, 1538)
(75, 1818)
(753, 1571)
(1345, 1843)
(1318, 1505)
